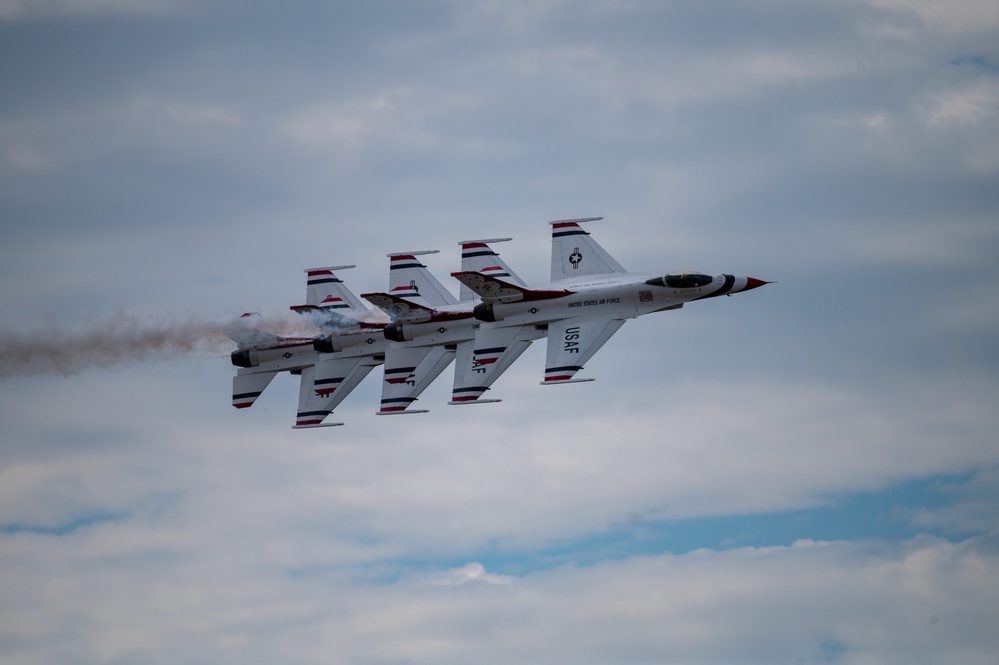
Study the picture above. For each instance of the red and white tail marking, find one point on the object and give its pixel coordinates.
(330, 301)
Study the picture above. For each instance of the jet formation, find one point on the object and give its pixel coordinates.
(483, 331)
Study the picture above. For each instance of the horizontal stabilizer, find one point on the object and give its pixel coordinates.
(325, 319)
(248, 386)
(244, 334)
(317, 426)
(495, 289)
(399, 309)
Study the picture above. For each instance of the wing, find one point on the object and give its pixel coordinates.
(497, 290)
(325, 384)
(571, 342)
(481, 361)
(247, 387)
(399, 309)
(328, 303)
(409, 278)
(576, 254)
(478, 256)
(408, 372)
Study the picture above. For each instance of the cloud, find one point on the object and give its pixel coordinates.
(11, 10)
(469, 573)
(972, 106)
(928, 598)
(118, 127)
(536, 473)
(184, 168)
(962, 16)
(971, 509)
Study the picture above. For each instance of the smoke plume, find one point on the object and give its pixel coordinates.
(123, 338)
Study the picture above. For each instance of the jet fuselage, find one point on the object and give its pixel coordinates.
(621, 296)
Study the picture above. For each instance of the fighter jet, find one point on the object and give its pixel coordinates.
(590, 297)
(415, 297)
(351, 330)
(430, 328)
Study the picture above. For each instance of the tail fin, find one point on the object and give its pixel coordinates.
(409, 278)
(328, 303)
(478, 256)
(576, 254)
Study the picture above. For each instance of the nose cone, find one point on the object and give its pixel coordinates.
(752, 283)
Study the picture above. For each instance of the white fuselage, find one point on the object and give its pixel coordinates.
(295, 353)
(448, 324)
(619, 296)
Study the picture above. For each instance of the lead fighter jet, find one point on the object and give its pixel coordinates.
(589, 298)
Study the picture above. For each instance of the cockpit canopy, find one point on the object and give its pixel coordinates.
(682, 280)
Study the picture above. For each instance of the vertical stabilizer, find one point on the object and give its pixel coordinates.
(576, 254)
(328, 302)
(409, 278)
(478, 256)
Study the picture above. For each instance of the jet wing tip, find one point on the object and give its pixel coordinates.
(577, 220)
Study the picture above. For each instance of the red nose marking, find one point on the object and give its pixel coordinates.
(752, 283)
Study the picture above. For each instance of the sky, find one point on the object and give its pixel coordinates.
(805, 473)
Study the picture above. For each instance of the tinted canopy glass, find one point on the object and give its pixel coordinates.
(684, 280)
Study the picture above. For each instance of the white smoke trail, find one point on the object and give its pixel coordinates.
(124, 338)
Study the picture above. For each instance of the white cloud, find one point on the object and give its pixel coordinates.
(21, 9)
(536, 473)
(972, 105)
(144, 519)
(184, 115)
(470, 572)
(929, 599)
(81, 136)
(956, 16)
(341, 123)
